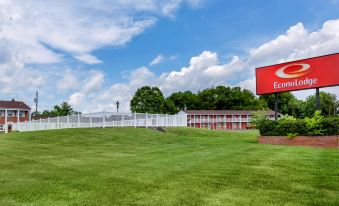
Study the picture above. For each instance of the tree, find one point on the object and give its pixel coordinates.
(183, 100)
(148, 99)
(223, 97)
(287, 103)
(328, 105)
(63, 109)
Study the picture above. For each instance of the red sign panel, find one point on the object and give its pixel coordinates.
(309, 73)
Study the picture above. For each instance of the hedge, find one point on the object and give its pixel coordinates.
(327, 127)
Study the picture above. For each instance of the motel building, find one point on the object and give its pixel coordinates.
(221, 119)
(12, 112)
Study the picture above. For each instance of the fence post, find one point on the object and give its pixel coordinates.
(135, 120)
(40, 124)
(68, 121)
(48, 124)
(79, 120)
(58, 122)
(146, 121)
(90, 119)
(166, 119)
(103, 119)
(122, 120)
(176, 120)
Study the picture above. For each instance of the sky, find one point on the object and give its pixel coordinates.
(96, 52)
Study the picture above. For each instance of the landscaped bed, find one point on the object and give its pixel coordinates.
(185, 166)
(314, 141)
(316, 131)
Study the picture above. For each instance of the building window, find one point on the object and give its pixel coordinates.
(1, 127)
(10, 113)
(2, 113)
(22, 113)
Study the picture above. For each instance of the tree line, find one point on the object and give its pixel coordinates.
(151, 100)
(63, 109)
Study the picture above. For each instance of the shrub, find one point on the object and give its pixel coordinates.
(330, 126)
(258, 118)
(316, 125)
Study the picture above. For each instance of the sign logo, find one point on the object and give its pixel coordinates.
(293, 70)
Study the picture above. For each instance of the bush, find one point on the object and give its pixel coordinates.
(258, 118)
(316, 125)
(330, 126)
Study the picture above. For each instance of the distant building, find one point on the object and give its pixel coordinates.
(12, 112)
(221, 119)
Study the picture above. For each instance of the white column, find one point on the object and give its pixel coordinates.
(6, 126)
(240, 121)
(200, 122)
(18, 117)
(194, 122)
(232, 121)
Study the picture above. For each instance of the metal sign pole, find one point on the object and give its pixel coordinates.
(317, 96)
(276, 106)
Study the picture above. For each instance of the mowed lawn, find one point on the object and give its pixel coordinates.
(127, 166)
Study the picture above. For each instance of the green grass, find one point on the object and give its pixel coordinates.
(125, 166)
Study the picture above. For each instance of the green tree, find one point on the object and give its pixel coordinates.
(63, 109)
(223, 97)
(287, 103)
(148, 99)
(328, 105)
(184, 100)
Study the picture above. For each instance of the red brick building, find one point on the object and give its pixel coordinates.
(221, 119)
(12, 112)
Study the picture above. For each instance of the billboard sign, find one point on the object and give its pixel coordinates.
(309, 73)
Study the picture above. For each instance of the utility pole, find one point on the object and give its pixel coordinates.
(36, 100)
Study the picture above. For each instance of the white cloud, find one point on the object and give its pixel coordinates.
(157, 60)
(91, 85)
(68, 81)
(88, 58)
(160, 59)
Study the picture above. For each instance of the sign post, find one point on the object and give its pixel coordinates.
(317, 97)
(276, 101)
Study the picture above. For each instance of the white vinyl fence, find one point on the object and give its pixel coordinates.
(103, 119)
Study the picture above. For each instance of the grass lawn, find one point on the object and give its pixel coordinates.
(124, 166)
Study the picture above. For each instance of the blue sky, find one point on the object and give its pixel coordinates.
(92, 54)
(226, 27)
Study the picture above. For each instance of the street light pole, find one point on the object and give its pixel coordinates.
(117, 103)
